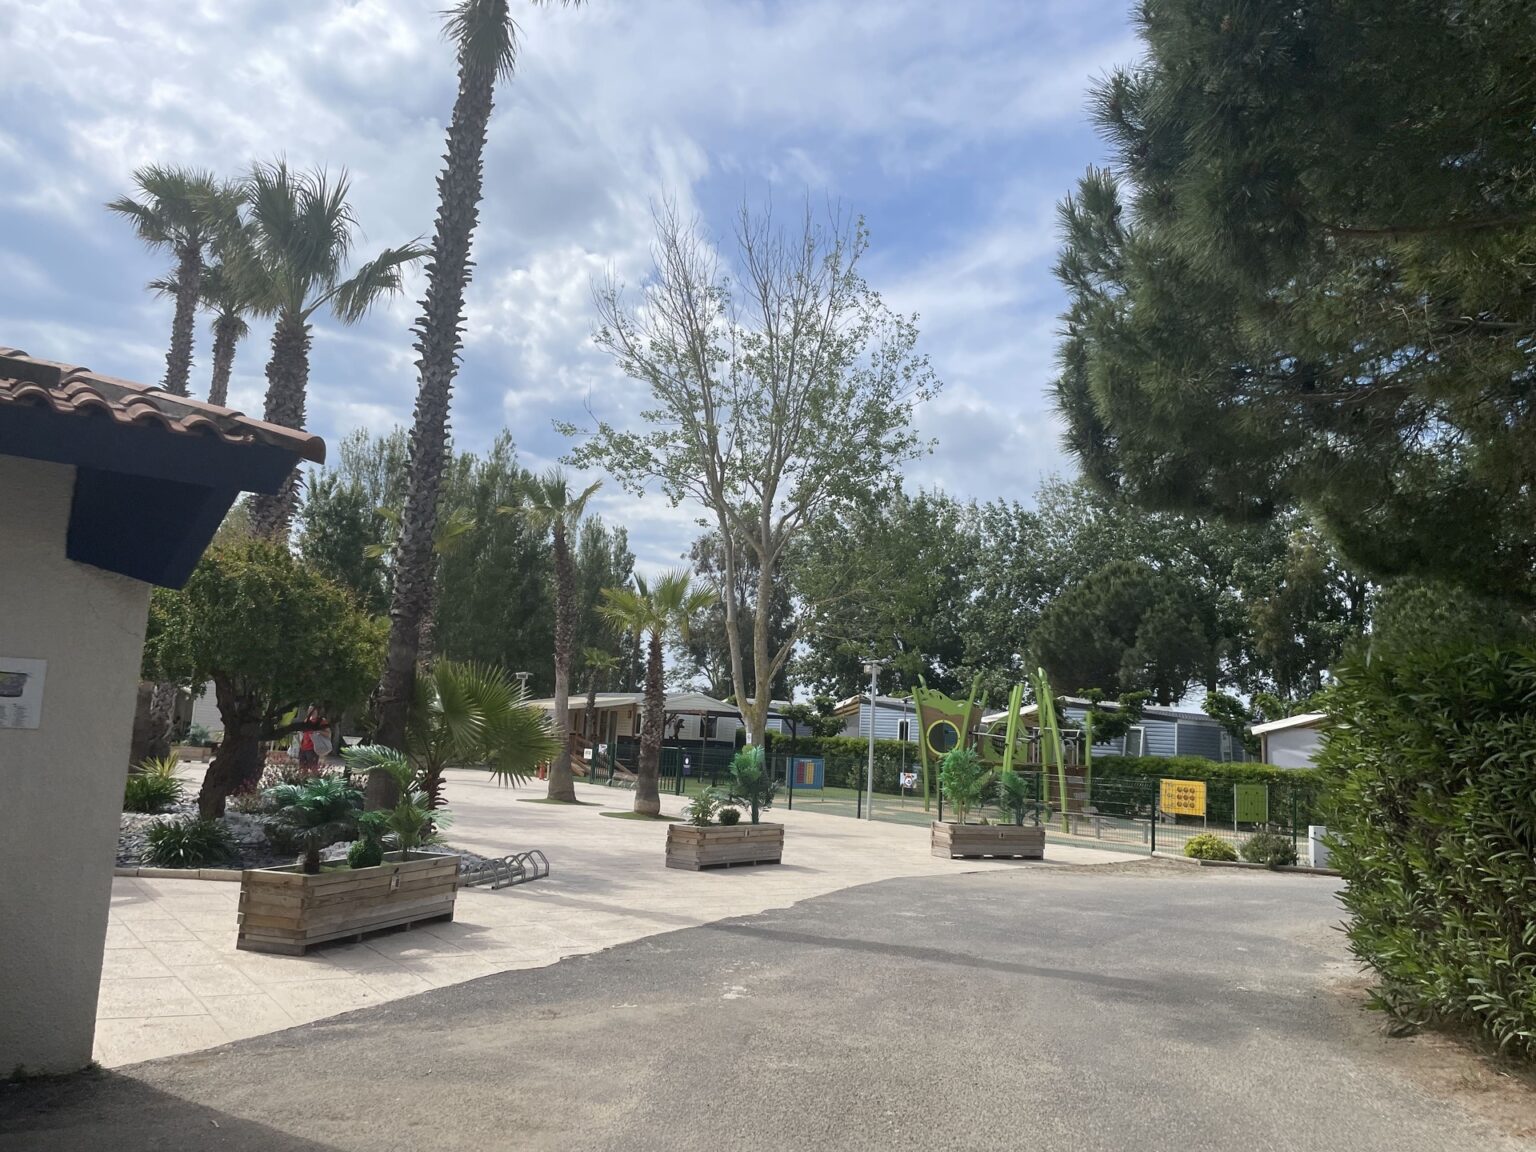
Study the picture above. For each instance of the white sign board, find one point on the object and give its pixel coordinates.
(21, 692)
(909, 779)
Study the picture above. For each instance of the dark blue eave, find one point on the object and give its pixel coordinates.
(147, 501)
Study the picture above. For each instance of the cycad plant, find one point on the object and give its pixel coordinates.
(751, 783)
(316, 814)
(180, 209)
(462, 714)
(550, 506)
(485, 39)
(301, 232)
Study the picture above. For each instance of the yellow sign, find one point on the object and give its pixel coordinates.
(1183, 797)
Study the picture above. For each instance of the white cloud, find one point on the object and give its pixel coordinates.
(954, 128)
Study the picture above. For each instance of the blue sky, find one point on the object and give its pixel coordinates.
(953, 128)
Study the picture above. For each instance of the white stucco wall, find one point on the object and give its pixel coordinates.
(63, 781)
(1292, 747)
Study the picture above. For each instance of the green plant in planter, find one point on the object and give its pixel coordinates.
(964, 780)
(752, 784)
(1272, 848)
(187, 843)
(412, 821)
(153, 788)
(1207, 846)
(729, 816)
(701, 810)
(1014, 798)
(198, 737)
(368, 852)
(316, 814)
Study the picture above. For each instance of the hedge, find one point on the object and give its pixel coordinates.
(1432, 763)
(847, 759)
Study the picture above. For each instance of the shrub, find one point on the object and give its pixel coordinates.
(1431, 765)
(188, 843)
(1270, 848)
(1014, 798)
(318, 813)
(197, 736)
(701, 810)
(366, 853)
(1208, 846)
(153, 788)
(752, 785)
(729, 816)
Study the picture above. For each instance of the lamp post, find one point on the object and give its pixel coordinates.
(872, 666)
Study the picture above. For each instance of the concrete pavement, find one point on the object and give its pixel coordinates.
(173, 982)
(1065, 1010)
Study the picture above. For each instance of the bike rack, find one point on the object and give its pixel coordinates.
(519, 868)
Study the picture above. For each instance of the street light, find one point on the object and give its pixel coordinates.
(872, 666)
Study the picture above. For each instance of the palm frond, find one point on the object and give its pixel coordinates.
(380, 277)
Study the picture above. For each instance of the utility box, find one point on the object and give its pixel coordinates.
(1316, 848)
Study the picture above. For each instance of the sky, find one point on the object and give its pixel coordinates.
(953, 128)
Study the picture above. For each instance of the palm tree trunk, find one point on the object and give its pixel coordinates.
(439, 337)
(589, 721)
(162, 715)
(287, 381)
(226, 335)
(647, 793)
(178, 360)
(561, 785)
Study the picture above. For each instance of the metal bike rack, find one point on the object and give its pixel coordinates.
(519, 868)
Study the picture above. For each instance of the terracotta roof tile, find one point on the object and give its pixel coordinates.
(73, 391)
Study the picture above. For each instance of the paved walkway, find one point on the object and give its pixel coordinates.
(173, 981)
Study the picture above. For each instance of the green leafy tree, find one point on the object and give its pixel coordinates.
(274, 636)
(485, 43)
(551, 506)
(301, 232)
(964, 781)
(780, 390)
(340, 533)
(182, 210)
(655, 611)
(1308, 277)
(708, 653)
(1126, 628)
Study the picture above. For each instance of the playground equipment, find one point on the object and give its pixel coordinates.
(945, 723)
(519, 868)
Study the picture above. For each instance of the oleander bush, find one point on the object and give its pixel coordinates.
(188, 843)
(1272, 848)
(1208, 846)
(1432, 766)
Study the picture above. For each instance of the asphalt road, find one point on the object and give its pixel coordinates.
(1139, 1007)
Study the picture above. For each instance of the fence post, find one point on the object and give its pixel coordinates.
(858, 804)
(1294, 848)
(789, 780)
(1152, 807)
(940, 790)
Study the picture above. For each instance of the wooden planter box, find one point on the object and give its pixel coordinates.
(1000, 840)
(720, 846)
(283, 910)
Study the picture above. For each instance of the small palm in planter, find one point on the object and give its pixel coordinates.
(315, 815)
(751, 784)
(288, 911)
(965, 781)
(706, 844)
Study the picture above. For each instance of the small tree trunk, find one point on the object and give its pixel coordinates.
(226, 335)
(647, 794)
(311, 861)
(561, 784)
(178, 360)
(287, 381)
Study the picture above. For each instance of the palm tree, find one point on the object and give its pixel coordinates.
(181, 209)
(550, 507)
(464, 714)
(486, 40)
(656, 612)
(317, 814)
(452, 533)
(598, 665)
(301, 234)
(230, 302)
